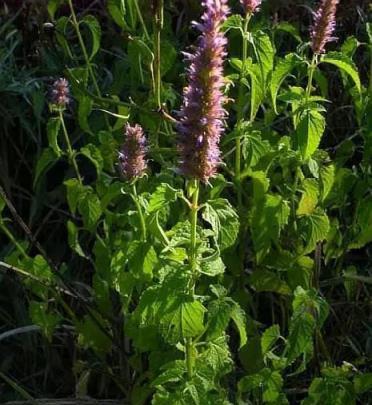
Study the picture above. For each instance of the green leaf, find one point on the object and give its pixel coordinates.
(184, 320)
(53, 128)
(254, 148)
(142, 259)
(91, 336)
(268, 219)
(364, 224)
(224, 221)
(265, 280)
(41, 316)
(264, 53)
(90, 209)
(345, 64)
(212, 267)
(91, 152)
(117, 11)
(314, 228)
(309, 199)
(363, 383)
(309, 313)
(268, 382)
(309, 131)
(281, 71)
(47, 159)
(233, 22)
(75, 192)
(269, 338)
(173, 372)
(53, 6)
(290, 29)
(73, 239)
(239, 318)
(163, 195)
(84, 110)
(95, 30)
(327, 179)
(168, 56)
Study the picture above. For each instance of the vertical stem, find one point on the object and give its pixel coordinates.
(85, 54)
(159, 21)
(240, 109)
(140, 212)
(70, 152)
(189, 347)
(83, 47)
(311, 70)
(138, 10)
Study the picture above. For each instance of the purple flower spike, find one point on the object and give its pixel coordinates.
(132, 156)
(202, 114)
(324, 25)
(60, 93)
(251, 6)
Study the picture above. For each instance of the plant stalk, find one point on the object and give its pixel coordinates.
(140, 212)
(238, 146)
(70, 152)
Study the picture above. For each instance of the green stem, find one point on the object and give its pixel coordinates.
(311, 71)
(140, 17)
(238, 146)
(194, 207)
(13, 239)
(159, 22)
(140, 212)
(75, 23)
(70, 152)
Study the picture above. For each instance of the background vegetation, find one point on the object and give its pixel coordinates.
(73, 263)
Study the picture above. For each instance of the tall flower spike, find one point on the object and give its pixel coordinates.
(60, 93)
(324, 25)
(251, 6)
(202, 114)
(132, 155)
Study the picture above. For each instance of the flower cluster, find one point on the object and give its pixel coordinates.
(60, 93)
(132, 155)
(202, 114)
(250, 6)
(324, 25)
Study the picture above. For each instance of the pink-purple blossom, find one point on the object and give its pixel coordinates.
(60, 93)
(324, 25)
(251, 6)
(132, 155)
(202, 115)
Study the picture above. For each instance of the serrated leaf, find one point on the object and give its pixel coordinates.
(184, 320)
(212, 267)
(90, 209)
(269, 338)
(254, 148)
(364, 223)
(142, 259)
(346, 65)
(239, 318)
(281, 71)
(268, 219)
(234, 21)
(224, 221)
(73, 239)
(75, 192)
(163, 195)
(314, 228)
(84, 110)
(92, 153)
(265, 280)
(95, 30)
(309, 199)
(91, 336)
(363, 383)
(309, 132)
(264, 53)
(327, 179)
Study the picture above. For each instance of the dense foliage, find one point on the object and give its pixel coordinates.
(186, 208)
